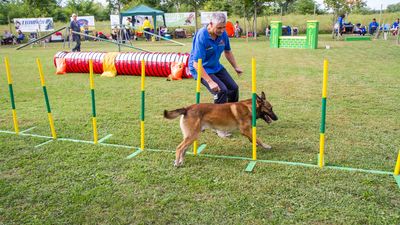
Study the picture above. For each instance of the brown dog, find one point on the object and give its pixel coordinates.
(228, 116)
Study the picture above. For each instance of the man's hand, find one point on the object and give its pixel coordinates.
(213, 86)
(238, 70)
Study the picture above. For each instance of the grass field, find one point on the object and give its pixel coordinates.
(76, 183)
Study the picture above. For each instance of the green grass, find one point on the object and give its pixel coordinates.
(75, 183)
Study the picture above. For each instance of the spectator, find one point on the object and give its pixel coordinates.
(86, 30)
(395, 27)
(163, 30)
(358, 29)
(268, 31)
(147, 28)
(74, 26)
(102, 36)
(8, 38)
(114, 34)
(20, 37)
(373, 26)
(339, 26)
(128, 27)
(238, 29)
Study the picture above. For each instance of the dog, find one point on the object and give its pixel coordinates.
(228, 116)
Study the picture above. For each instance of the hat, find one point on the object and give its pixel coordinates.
(73, 14)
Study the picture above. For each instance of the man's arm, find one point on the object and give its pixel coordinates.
(213, 86)
(231, 59)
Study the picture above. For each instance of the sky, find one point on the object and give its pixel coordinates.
(373, 4)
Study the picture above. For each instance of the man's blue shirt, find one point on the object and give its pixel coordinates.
(373, 24)
(209, 50)
(340, 21)
(395, 24)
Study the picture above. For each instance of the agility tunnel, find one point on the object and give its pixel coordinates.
(159, 64)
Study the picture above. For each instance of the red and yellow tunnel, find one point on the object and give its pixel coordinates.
(124, 63)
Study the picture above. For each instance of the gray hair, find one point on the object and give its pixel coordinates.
(217, 18)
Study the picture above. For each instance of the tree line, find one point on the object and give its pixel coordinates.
(61, 10)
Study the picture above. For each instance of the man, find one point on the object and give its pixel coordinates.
(373, 26)
(147, 27)
(208, 45)
(8, 38)
(395, 27)
(339, 24)
(128, 26)
(74, 26)
(238, 29)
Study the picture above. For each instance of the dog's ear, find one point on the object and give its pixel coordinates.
(258, 98)
(263, 95)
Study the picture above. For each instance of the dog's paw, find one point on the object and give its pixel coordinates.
(265, 146)
(177, 164)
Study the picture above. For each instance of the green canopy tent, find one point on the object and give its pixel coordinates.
(143, 10)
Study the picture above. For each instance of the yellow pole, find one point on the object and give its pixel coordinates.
(94, 121)
(14, 111)
(254, 96)
(49, 115)
(199, 70)
(397, 168)
(143, 105)
(321, 159)
(325, 79)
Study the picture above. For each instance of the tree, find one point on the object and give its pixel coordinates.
(217, 5)
(393, 8)
(284, 5)
(343, 6)
(304, 7)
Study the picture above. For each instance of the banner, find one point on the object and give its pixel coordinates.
(206, 16)
(179, 19)
(86, 20)
(34, 24)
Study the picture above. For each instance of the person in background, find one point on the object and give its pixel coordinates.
(373, 26)
(20, 37)
(208, 44)
(74, 26)
(238, 30)
(395, 27)
(147, 28)
(101, 35)
(114, 33)
(128, 27)
(339, 26)
(86, 30)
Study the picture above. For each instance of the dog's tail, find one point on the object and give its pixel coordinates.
(174, 113)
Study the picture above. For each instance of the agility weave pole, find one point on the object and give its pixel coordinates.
(252, 164)
(142, 110)
(321, 162)
(198, 150)
(142, 94)
(50, 117)
(94, 120)
(46, 99)
(10, 88)
(395, 174)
